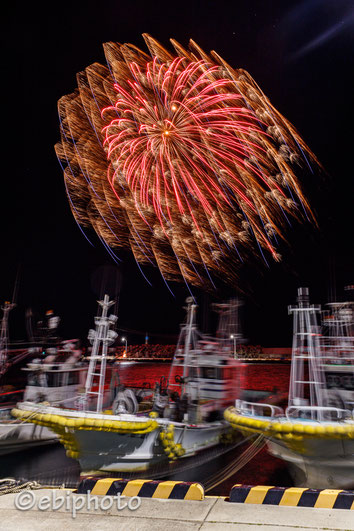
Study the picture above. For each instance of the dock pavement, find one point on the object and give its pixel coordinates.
(41, 510)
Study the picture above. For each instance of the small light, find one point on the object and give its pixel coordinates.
(173, 108)
(166, 133)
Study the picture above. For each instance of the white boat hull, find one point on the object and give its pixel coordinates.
(94, 440)
(15, 437)
(116, 452)
(322, 464)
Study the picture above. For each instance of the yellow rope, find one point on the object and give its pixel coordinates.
(288, 430)
(64, 426)
(171, 449)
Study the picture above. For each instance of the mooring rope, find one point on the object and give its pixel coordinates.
(234, 467)
(10, 485)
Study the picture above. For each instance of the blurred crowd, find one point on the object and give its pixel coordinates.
(246, 352)
(146, 351)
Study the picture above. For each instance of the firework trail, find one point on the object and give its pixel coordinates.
(181, 159)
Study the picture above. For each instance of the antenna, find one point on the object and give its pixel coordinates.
(4, 335)
(17, 283)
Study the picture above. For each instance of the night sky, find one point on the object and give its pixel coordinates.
(300, 53)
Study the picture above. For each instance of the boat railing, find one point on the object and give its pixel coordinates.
(317, 413)
(258, 409)
(332, 361)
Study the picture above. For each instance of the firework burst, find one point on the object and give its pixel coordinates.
(180, 158)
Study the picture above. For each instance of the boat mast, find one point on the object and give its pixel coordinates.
(229, 328)
(306, 348)
(4, 335)
(189, 336)
(186, 345)
(102, 335)
(338, 345)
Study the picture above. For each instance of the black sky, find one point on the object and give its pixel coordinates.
(300, 53)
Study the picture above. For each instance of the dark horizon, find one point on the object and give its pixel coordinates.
(301, 55)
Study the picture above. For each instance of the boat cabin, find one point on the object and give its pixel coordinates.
(55, 379)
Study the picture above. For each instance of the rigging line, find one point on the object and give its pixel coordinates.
(231, 469)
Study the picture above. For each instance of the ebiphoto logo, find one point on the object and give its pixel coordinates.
(27, 500)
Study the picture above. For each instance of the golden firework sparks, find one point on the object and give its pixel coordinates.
(180, 158)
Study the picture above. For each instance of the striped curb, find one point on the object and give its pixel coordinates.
(172, 490)
(293, 497)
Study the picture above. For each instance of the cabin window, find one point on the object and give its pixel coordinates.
(53, 379)
(73, 378)
(32, 379)
(211, 373)
(193, 373)
(340, 381)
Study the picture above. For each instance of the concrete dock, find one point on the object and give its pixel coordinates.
(209, 514)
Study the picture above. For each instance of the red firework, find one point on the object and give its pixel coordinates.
(181, 158)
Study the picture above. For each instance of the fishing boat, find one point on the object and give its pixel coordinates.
(55, 379)
(185, 420)
(315, 433)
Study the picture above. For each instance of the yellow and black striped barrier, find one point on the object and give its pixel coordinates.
(172, 490)
(293, 497)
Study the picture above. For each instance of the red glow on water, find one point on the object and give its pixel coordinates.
(140, 373)
(268, 377)
(259, 376)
